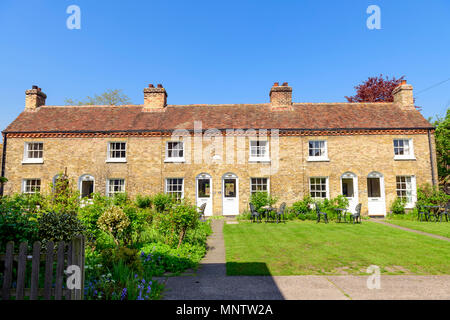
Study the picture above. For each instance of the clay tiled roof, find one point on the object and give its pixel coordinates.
(304, 116)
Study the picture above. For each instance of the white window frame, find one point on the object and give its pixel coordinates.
(413, 201)
(409, 156)
(175, 159)
(323, 157)
(108, 154)
(327, 187)
(24, 185)
(263, 158)
(251, 184)
(171, 192)
(26, 159)
(108, 185)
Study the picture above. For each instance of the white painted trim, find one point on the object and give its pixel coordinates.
(182, 185)
(26, 160)
(327, 186)
(85, 177)
(116, 160)
(265, 158)
(211, 195)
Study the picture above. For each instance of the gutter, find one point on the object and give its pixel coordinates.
(433, 178)
(192, 130)
(3, 161)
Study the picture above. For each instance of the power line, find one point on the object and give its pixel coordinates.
(433, 86)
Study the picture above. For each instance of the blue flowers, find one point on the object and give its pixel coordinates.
(124, 294)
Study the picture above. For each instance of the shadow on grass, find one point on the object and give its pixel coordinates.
(247, 268)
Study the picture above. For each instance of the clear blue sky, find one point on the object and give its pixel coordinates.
(221, 51)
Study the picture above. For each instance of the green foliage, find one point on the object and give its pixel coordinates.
(162, 202)
(143, 202)
(398, 206)
(64, 198)
(54, 226)
(429, 195)
(109, 97)
(260, 199)
(302, 207)
(442, 138)
(115, 222)
(174, 223)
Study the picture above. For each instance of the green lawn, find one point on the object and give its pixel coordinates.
(298, 248)
(439, 228)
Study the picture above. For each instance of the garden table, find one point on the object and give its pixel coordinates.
(340, 212)
(267, 211)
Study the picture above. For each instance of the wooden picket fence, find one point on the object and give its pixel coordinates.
(65, 254)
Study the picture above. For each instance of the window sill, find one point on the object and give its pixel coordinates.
(174, 160)
(404, 158)
(259, 159)
(34, 161)
(318, 159)
(116, 160)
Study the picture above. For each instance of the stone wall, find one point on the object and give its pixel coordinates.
(145, 170)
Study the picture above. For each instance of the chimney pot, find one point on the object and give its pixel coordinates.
(403, 96)
(155, 99)
(34, 98)
(281, 97)
(151, 85)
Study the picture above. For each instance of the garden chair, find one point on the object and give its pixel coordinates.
(422, 213)
(357, 215)
(202, 211)
(280, 213)
(255, 214)
(444, 212)
(320, 213)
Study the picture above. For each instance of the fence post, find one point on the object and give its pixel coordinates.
(8, 270)
(78, 260)
(48, 271)
(21, 267)
(35, 271)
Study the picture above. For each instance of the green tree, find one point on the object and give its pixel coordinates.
(442, 137)
(110, 97)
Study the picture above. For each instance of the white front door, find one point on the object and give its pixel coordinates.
(349, 185)
(204, 193)
(230, 194)
(375, 195)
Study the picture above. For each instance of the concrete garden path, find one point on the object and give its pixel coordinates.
(410, 230)
(210, 282)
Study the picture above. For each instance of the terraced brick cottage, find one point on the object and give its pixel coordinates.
(220, 154)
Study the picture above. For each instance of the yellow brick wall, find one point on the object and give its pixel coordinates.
(145, 170)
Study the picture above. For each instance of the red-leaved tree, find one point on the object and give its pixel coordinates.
(375, 89)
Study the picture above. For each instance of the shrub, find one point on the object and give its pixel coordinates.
(143, 202)
(162, 202)
(302, 207)
(260, 199)
(428, 195)
(174, 223)
(56, 227)
(398, 206)
(17, 227)
(114, 221)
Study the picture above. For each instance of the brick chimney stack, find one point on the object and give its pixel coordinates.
(280, 96)
(403, 96)
(34, 98)
(155, 99)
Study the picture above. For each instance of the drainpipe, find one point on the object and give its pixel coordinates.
(433, 178)
(3, 162)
